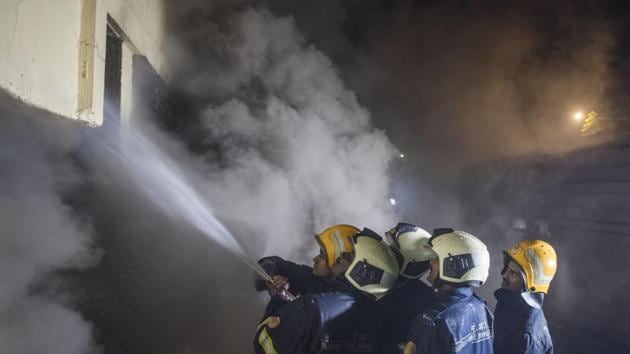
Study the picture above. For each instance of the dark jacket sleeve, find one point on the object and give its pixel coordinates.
(273, 305)
(528, 345)
(429, 336)
(298, 331)
(536, 344)
(301, 278)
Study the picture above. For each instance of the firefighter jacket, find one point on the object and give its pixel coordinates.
(520, 328)
(458, 322)
(341, 319)
(407, 299)
(301, 278)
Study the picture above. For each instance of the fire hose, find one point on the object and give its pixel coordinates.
(268, 279)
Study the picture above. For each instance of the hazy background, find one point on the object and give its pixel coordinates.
(291, 116)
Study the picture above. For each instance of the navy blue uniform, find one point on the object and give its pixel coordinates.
(458, 322)
(520, 328)
(301, 278)
(407, 299)
(339, 320)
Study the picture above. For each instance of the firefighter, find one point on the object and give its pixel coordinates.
(343, 318)
(459, 321)
(412, 293)
(300, 279)
(521, 327)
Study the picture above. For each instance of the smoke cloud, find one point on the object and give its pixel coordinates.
(40, 234)
(297, 150)
(456, 85)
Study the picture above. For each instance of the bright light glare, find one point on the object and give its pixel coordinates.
(578, 116)
(402, 156)
(392, 201)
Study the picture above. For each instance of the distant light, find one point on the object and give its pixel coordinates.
(578, 116)
(402, 156)
(392, 201)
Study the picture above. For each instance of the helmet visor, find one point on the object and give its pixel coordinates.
(415, 269)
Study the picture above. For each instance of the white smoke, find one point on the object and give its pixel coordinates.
(298, 149)
(38, 235)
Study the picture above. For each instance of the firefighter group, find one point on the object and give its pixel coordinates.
(414, 293)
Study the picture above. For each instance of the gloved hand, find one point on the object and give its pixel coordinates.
(278, 285)
(268, 264)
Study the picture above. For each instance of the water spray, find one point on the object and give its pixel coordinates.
(137, 158)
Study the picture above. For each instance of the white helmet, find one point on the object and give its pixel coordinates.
(463, 258)
(374, 269)
(409, 244)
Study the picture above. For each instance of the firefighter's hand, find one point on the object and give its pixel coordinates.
(278, 285)
(410, 348)
(280, 282)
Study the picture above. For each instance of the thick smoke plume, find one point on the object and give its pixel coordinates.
(297, 151)
(39, 235)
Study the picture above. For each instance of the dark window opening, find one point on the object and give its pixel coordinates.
(113, 74)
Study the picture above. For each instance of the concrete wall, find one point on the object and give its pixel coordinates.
(39, 42)
(142, 24)
(52, 53)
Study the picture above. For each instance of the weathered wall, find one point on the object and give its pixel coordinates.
(142, 24)
(39, 42)
(52, 53)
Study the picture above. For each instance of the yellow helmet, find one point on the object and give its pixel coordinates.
(335, 240)
(539, 263)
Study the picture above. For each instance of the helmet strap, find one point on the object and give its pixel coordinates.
(535, 300)
(424, 278)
